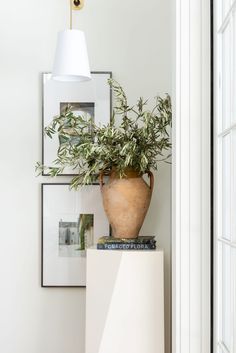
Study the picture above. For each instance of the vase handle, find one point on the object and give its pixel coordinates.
(101, 180)
(151, 177)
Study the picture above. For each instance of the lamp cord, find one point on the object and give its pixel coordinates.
(71, 14)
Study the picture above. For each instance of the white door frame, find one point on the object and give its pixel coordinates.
(191, 238)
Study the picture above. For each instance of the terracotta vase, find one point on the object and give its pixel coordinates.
(126, 201)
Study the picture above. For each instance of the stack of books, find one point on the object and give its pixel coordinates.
(140, 243)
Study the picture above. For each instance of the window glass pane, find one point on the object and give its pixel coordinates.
(218, 12)
(226, 228)
(226, 331)
(226, 89)
(225, 7)
(234, 67)
(233, 196)
(233, 277)
(225, 197)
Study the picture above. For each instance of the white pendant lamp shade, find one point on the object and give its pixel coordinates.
(71, 59)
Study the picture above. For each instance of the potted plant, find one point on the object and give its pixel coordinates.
(122, 151)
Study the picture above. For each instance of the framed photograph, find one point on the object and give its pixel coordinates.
(90, 98)
(72, 221)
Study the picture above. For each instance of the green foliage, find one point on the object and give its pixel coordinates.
(138, 142)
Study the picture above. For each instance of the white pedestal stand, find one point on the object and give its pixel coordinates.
(124, 302)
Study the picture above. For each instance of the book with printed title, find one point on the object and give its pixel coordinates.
(139, 243)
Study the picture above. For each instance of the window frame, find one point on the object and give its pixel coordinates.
(191, 182)
(220, 132)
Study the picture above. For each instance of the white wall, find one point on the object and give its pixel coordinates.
(132, 40)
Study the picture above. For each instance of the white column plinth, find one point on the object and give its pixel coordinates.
(124, 302)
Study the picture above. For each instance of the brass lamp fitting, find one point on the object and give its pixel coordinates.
(77, 4)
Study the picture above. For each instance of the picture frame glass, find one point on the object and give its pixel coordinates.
(72, 221)
(91, 99)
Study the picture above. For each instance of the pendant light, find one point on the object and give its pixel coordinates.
(71, 58)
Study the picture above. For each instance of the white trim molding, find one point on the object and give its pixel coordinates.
(191, 265)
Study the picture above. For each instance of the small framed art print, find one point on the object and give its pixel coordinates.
(72, 221)
(90, 98)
